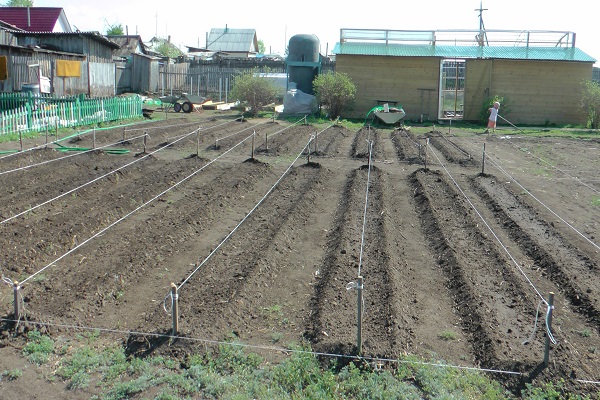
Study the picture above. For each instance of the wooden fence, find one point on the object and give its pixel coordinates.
(213, 79)
(28, 112)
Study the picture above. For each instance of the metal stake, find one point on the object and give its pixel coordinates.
(16, 300)
(94, 139)
(145, 137)
(483, 160)
(253, 135)
(21, 139)
(175, 308)
(198, 142)
(359, 315)
(549, 329)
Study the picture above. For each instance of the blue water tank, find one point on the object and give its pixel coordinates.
(303, 49)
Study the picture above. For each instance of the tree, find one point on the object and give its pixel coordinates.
(167, 49)
(590, 103)
(19, 3)
(114, 29)
(261, 47)
(335, 91)
(254, 90)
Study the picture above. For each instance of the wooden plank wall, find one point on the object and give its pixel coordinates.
(392, 78)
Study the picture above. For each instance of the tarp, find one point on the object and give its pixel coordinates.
(296, 101)
(68, 68)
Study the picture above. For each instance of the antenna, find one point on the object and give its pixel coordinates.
(482, 36)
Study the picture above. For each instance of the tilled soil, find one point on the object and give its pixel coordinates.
(265, 234)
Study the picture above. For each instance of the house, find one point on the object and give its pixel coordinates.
(128, 45)
(232, 43)
(444, 75)
(36, 19)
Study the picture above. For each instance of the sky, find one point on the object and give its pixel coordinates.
(188, 22)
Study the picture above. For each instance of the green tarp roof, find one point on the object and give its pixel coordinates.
(445, 51)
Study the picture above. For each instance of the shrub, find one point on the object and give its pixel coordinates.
(590, 103)
(489, 103)
(335, 91)
(253, 90)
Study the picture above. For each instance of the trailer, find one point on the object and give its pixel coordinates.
(186, 102)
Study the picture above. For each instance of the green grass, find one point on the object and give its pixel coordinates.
(595, 200)
(11, 374)
(39, 348)
(229, 371)
(447, 335)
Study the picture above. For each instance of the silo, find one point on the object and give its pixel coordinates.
(303, 61)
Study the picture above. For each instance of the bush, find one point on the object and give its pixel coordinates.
(590, 103)
(489, 103)
(335, 91)
(253, 90)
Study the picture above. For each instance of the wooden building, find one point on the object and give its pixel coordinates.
(442, 75)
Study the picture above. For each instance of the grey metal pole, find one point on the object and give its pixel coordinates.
(198, 142)
(253, 136)
(549, 328)
(483, 160)
(359, 315)
(175, 308)
(16, 300)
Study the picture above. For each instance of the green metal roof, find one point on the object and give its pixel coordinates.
(448, 51)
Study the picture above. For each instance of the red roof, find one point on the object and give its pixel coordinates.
(32, 19)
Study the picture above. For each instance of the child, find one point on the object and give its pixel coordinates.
(493, 116)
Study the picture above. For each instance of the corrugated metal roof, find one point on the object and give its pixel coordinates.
(232, 40)
(97, 36)
(445, 51)
(33, 19)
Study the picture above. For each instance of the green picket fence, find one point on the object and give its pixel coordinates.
(28, 112)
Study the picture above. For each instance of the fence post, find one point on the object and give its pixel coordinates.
(175, 308)
(267, 141)
(548, 329)
(483, 160)
(316, 142)
(425, 153)
(198, 142)
(16, 300)
(253, 136)
(21, 139)
(359, 289)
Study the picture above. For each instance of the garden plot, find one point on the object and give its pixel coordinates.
(455, 263)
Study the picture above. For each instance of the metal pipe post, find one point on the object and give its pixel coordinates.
(175, 308)
(483, 161)
(549, 329)
(16, 300)
(359, 315)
